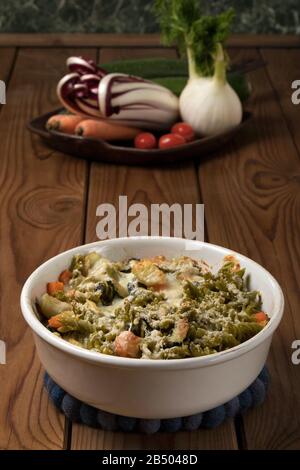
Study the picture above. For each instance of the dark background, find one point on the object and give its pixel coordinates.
(135, 16)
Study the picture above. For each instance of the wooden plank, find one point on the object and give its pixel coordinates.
(264, 40)
(283, 68)
(251, 199)
(144, 185)
(88, 438)
(7, 55)
(109, 54)
(134, 40)
(41, 210)
(79, 40)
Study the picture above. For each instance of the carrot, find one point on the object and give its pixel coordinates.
(127, 344)
(261, 317)
(63, 123)
(53, 287)
(55, 322)
(105, 130)
(159, 287)
(65, 276)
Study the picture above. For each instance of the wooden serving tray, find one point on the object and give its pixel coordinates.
(123, 153)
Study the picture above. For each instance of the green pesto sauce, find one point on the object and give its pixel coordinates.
(177, 308)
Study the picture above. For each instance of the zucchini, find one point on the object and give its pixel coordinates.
(171, 73)
(51, 306)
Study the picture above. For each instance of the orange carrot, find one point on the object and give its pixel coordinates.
(159, 287)
(261, 317)
(55, 322)
(63, 123)
(53, 287)
(127, 344)
(65, 276)
(105, 130)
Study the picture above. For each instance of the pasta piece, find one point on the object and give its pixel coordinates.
(51, 306)
(148, 273)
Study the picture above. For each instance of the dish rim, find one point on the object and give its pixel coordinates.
(121, 362)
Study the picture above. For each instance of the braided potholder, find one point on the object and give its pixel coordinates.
(79, 412)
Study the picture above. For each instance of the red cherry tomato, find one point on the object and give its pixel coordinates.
(185, 130)
(171, 140)
(145, 140)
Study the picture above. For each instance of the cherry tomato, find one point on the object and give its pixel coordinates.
(171, 140)
(185, 130)
(145, 140)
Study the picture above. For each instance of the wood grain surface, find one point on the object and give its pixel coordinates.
(222, 438)
(283, 69)
(48, 203)
(254, 186)
(135, 40)
(7, 56)
(41, 215)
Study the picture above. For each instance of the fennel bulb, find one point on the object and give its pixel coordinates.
(210, 106)
(208, 103)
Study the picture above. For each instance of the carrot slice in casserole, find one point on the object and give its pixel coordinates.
(53, 287)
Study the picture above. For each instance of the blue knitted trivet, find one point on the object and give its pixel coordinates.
(79, 412)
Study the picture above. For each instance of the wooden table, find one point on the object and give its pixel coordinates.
(251, 192)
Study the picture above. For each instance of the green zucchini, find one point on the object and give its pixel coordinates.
(171, 73)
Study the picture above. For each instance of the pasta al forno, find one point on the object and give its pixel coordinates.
(152, 308)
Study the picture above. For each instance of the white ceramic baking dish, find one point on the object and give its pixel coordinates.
(152, 388)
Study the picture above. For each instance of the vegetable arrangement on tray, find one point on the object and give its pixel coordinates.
(187, 99)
